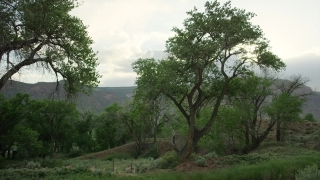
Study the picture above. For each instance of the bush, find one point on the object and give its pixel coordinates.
(253, 158)
(144, 165)
(33, 165)
(308, 173)
(98, 172)
(309, 117)
(201, 161)
(169, 160)
(212, 155)
(75, 153)
(153, 152)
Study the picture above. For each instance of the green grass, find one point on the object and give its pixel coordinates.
(270, 161)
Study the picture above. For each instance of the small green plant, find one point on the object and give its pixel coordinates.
(168, 161)
(309, 117)
(33, 165)
(201, 161)
(308, 173)
(98, 172)
(212, 155)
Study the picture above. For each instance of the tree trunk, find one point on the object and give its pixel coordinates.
(3, 152)
(192, 141)
(278, 131)
(155, 133)
(52, 147)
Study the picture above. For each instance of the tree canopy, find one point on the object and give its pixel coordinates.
(44, 33)
(205, 57)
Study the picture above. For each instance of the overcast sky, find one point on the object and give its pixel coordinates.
(124, 30)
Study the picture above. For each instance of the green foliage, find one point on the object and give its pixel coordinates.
(75, 153)
(201, 161)
(53, 120)
(212, 50)
(309, 117)
(114, 156)
(285, 108)
(110, 129)
(24, 174)
(2, 162)
(145, 165)
(246, 159)
(212, 155)
(13, 130)
(152, 152)
(49, 36)
(227, 133)
(310, 172)
(168, 161)
(52, 163)
(33, 165)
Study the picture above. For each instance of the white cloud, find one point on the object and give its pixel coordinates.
(124, 30)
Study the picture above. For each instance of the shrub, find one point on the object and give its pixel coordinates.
(144, 165)
(153, 152)
(98, 172)
(75, 153)
(33, 165)
(309, 117)
(212, 155)
(308, 173)
(201, 161)
(253, 158)
(169, 160)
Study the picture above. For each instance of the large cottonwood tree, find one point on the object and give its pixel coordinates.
(212, 49)
(43, 33)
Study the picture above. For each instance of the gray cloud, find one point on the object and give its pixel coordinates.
(307, 65)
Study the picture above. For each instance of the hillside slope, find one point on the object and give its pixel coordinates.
(99, 99)
(102, 97)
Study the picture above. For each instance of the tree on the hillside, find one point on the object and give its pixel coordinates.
(23, 141)
(154, 104)
(291, 86)
(84, 131)
(205, 57)
(285, 108)
(12, 111)
(139, 120)
(45, 34)
(51, 118)
(309, 117)
(111, 131)
(249, 100)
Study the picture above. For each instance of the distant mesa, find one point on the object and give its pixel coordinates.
(102, 97)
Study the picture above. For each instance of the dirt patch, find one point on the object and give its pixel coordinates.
(130, 148)
(164, 147)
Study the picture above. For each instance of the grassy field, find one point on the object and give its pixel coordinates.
(298, 158)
